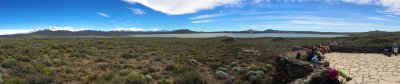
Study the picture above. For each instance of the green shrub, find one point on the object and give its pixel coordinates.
(221, 74)
(149, 77)
(150, 68)
(259, 74)
(39, 78)
(14, 81)
(129, 55)
(47, 62)
(10, 62)
(236, 69)
(17, 70)
(136, 78)
(230, 80)
(102, 66)
(215, 64)
(222, 69)
(192, 62)
(107, 75)
(47, 70)
(156, 76)
(170, 68)
(164, 82)
(178, 68)
(189, 78)
(123, 72)
(25, 59)
(266, 68)
(1, 78)
(253, 75)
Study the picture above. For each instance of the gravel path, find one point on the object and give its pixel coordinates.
(367, 68)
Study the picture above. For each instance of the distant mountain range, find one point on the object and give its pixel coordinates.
(179, 31)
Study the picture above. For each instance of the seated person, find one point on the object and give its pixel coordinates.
(333, 76)
(319, 55)
(298, 56)
(387, 52)
(314, 59)
(324, 48)
(395, 50)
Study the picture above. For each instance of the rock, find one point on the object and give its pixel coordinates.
(290, 70)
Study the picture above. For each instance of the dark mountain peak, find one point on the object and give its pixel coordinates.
(183, 31)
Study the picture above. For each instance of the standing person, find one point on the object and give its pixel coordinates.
(333, 76)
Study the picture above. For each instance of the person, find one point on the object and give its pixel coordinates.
(387, 52)
(314, 59)
(319, 55)
(395, 49)
(333, 76)
(325, 49)
(298, 56)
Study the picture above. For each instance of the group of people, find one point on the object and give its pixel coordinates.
(392, 50)
(316, 53)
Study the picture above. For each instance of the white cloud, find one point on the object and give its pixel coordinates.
(128, 29)
(257, 1)
(58, 28)
(393, 6)
(52, 28)
(329, 23)
(137, 11)
(103, 14)
(21, 31)
(206, 16)
(201, 21)
(155, 29)
(180, 7)
(359, 1)
(314, 22)
(376, 18)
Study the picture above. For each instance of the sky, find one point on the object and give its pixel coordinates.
(24, 16)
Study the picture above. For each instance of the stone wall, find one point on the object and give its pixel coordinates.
(289, 69)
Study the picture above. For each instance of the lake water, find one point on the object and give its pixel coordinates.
(240, 35)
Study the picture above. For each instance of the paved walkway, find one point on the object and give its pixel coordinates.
(367, 68)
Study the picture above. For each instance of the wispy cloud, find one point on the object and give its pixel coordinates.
(376, 18)
(180, 7)
(103, 14)
(137, 11)
(206, 16)
(201, 21)
(393, 6)
(283, 17)
(330, 23)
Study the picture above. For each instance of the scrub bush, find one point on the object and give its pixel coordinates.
(222, 69)
(236, 69)
(221, 74)
(189, 78)
(10, 62)
(136, 78)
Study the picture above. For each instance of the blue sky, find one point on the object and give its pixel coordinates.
(22, 16)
